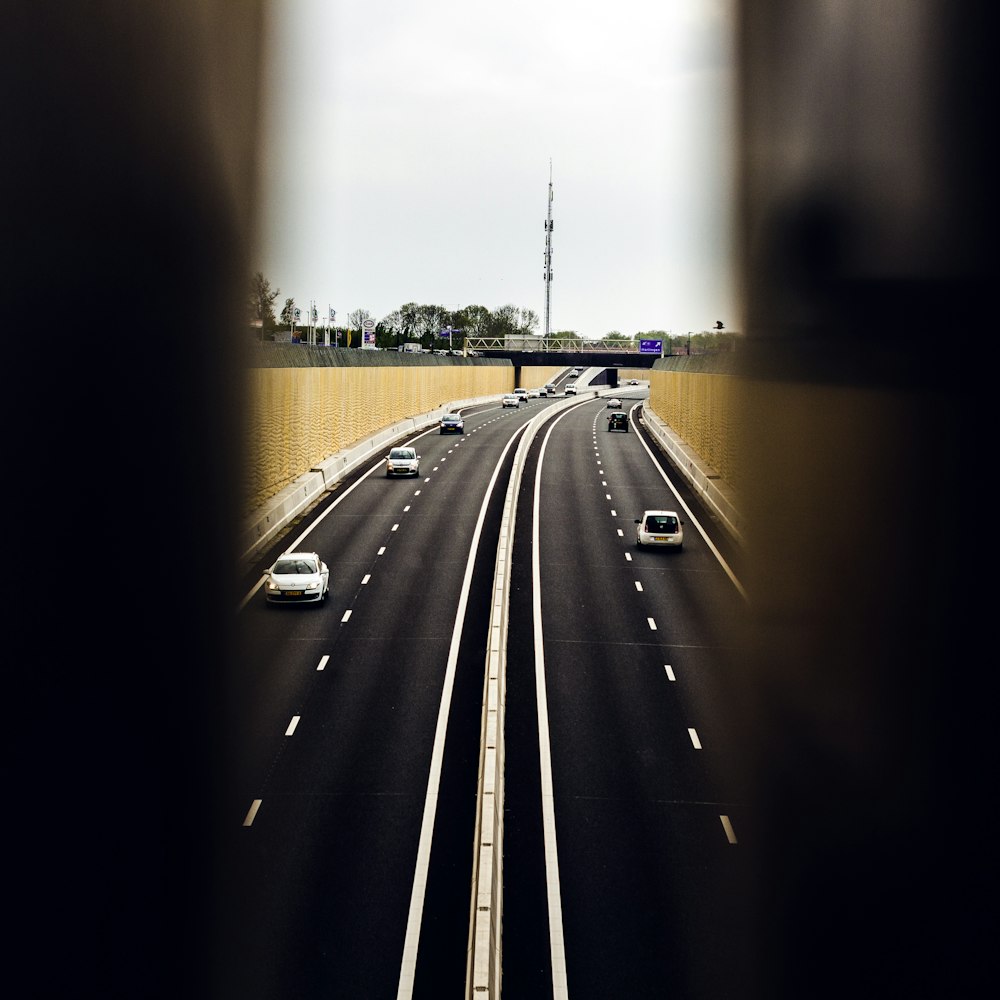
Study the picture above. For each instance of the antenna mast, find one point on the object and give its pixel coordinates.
(547, 276)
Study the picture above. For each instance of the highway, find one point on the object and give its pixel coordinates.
(354, 729)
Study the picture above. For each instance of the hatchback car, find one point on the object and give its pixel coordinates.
(402, 462)
(297, 578)
(614, 404)
(618, 421)
(451, 423)
(510, 400)
(659, 528)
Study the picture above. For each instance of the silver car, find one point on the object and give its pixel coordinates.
(297, 578)
(402, 462)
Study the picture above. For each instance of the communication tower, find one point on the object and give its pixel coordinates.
(547, 276)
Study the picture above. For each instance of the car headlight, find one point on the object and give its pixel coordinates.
(271, 585)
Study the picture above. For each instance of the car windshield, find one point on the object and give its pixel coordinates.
(291, 567)
(401, 453)
(666, 525)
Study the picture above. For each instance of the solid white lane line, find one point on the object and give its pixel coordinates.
(347, 614)
(292, 725)
(694, 739)
(411, 941)
(728, 827)
(557, 947)
(252, 814)
(670, 672)
(701, 531)
(323, 662)
(365, 578)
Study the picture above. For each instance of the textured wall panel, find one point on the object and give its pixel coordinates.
(299, 416)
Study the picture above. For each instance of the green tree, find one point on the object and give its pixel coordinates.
(288, 312)
(261, 304)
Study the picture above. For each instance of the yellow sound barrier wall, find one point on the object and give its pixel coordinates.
(297, 417)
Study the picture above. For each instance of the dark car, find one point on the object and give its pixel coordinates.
(452, 423)
(618, 421)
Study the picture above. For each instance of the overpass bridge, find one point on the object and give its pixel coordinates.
(556, 351)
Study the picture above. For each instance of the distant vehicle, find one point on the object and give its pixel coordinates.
(443, 354)
(402, 462)
(521, 393)
(534, 394)
(618, 421)
(451, 423)
(550, 388)
(410, 347)
(511, 400)
(571, 389)
(614, 404)
(633, 381)
(659, 528)
(297, 578)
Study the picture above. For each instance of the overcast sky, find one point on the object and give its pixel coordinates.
(407, 150)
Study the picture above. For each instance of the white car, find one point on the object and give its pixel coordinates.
(510, 400)
(402, 462)
(633, 381)
(297, 578)
(521, 393)
(659, 528)
(614, 404)
(571, 389)
(534, 394)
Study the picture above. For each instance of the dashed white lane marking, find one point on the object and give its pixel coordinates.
(604, 482)
(607, 496)
(614, 513)
(347, 614)
(628, 557)
(670, 672)
(638, 585)
(292, 725)
(365, 578)
(395, 527)
(417, 493)
(381, 551)
(694, 739)
(728, 827)
(252, 814)
(621, 534)
(428, 479)
(406, 508)
(652, 624)
(323, 662)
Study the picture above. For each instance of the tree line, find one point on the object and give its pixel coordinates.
(423, 324)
